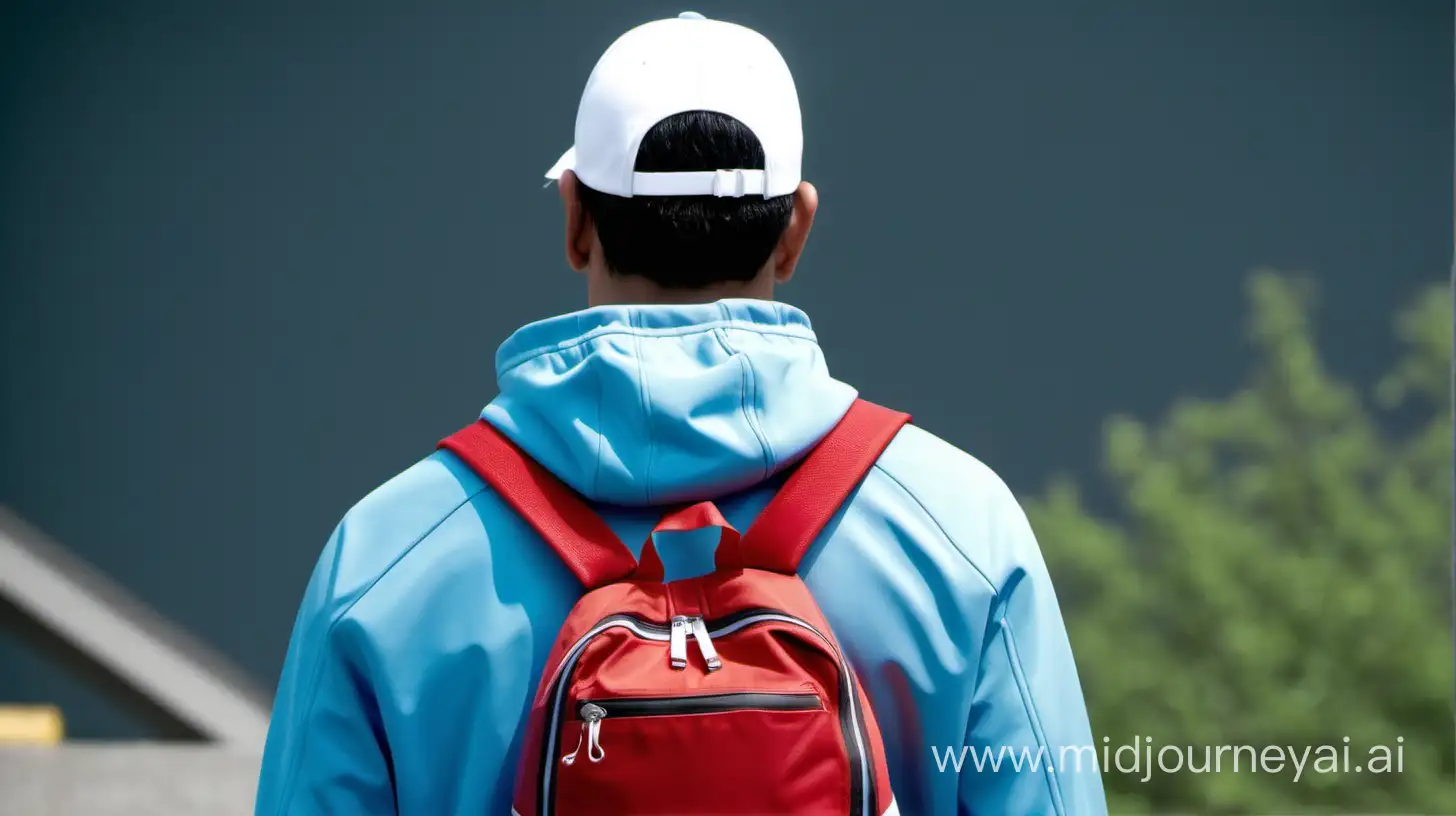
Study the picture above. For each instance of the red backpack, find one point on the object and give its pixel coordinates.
(723, 694)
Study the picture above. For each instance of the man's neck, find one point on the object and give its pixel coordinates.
(614, 290)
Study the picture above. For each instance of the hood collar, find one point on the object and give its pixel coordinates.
(642, 405)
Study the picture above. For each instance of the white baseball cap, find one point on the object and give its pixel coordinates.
(673, 66)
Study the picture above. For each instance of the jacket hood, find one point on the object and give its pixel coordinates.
(642, 405)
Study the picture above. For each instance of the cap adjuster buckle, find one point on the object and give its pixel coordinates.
(728, 183)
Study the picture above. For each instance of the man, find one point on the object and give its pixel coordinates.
(428, 620)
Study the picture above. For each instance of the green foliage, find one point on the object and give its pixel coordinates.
(1280, 576)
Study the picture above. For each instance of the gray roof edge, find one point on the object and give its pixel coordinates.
(179, 672)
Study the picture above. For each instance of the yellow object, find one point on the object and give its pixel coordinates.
(31, 725)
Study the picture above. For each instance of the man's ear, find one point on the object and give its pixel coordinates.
(580, 232)
(791, 243)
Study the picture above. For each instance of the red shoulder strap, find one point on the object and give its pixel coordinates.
(578, 535)
(811, 496)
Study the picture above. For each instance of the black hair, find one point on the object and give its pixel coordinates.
(689, 242)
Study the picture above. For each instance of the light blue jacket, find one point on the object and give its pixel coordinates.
(426, 624)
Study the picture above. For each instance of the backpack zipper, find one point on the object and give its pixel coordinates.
(862, 785)
(557, 691)
(592, 712)
(705, 645)
(856, 735)
(700, 704)
(591, 724)
(677, 648)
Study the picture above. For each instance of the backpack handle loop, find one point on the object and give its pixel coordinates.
(776, 541)
(700, 516)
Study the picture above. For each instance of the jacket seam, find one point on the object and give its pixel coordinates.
(523, 357)
(749, 404)
(1054, 788)
(601, 431)
(286, 790)
(646, 394)
(1012, 654)
(995, 593)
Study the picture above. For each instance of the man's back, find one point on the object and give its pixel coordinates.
(427, 623)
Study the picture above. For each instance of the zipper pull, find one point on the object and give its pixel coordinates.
(591, 725)
(705, 645)
(677, 648)
(593, 715)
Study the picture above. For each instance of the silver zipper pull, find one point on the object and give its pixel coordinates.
(571, 757)
(591, 727)
(705, 645)
(677, 647)
(594, 715)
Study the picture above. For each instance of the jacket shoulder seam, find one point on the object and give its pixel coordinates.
(406, 551)
(995, 592)
(286, 790)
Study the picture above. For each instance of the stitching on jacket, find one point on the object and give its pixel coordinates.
(797, 333)
(1054, 787)
(995, 593)
(646, 412)
(1053, 783)
(748, 406)
(601, 432)
(286, 789)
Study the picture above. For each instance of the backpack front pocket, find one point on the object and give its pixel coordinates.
(730, 753)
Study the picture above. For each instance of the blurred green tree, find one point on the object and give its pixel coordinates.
(1279, 574)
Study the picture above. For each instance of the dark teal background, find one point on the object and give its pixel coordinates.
(255, 258)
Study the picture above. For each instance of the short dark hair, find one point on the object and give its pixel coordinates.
(689, 242)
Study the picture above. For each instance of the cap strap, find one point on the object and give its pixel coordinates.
(720, 183)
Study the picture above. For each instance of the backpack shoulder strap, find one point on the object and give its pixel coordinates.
(813, 493)
(579, 536)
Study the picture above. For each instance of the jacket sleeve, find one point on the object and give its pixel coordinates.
(326, 752)
(1030, 743)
